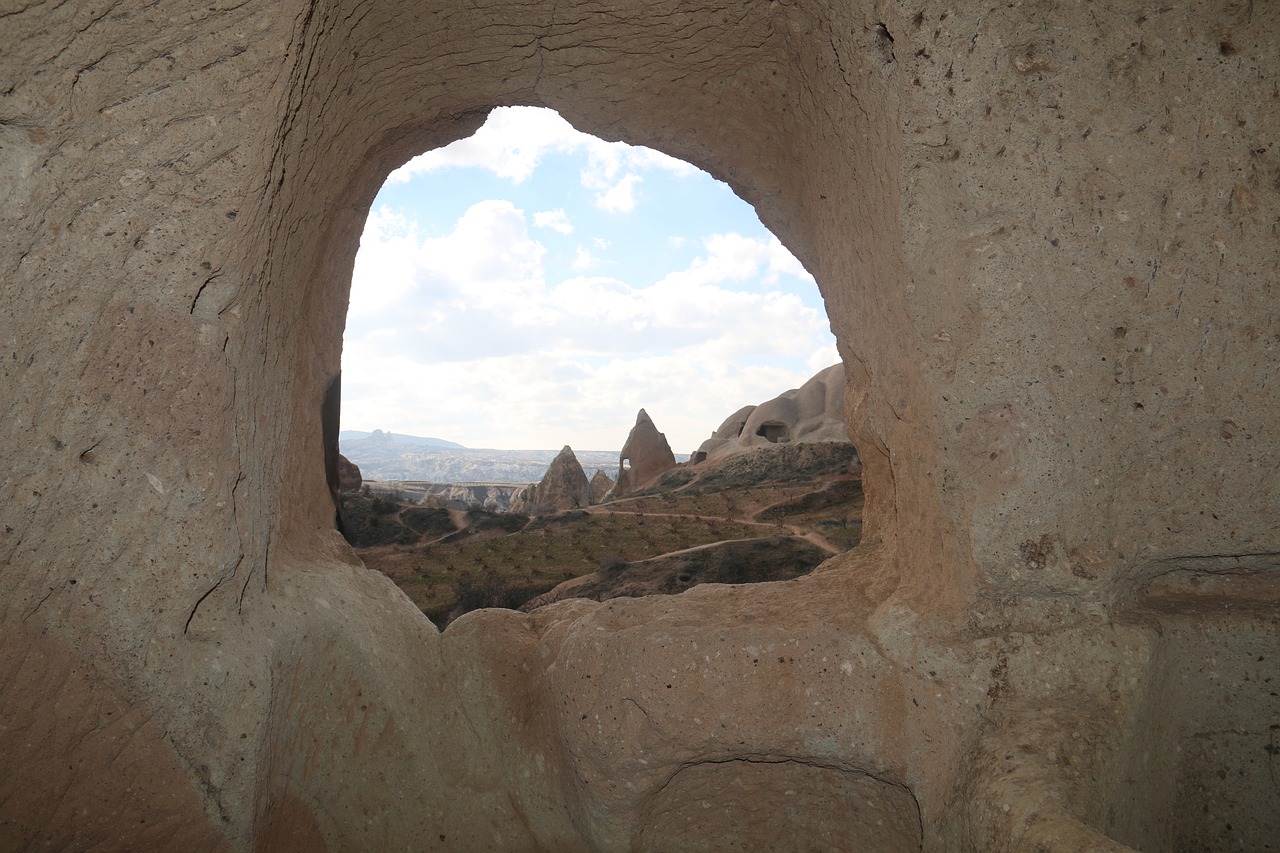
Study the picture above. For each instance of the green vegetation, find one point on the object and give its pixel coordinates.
(772, 558)
(430, 521)
(834, 513)
(371, 521)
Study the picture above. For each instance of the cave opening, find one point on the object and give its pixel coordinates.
(532, 287)
(774, 432)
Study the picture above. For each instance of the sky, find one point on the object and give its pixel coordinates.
(532, 286)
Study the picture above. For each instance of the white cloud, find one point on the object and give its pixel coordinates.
(468, 335)
(621, 197)
(646, 158)
(556, 220)
(733, 257)
(782, 262)
(583, 260)
(510, 144)
(385, 271)
(822, 358)
(463, 337)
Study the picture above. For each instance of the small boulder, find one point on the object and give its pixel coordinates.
(349, 479)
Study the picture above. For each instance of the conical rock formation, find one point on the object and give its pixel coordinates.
(643, 458)
(564, 486)
(601, 483)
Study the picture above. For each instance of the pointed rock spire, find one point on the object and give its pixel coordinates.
(564, 486)
(644, 457)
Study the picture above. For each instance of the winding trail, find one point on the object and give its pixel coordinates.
(798, 531)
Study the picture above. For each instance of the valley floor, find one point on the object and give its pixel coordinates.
(769, 518)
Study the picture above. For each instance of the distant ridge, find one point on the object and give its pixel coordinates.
(360, 435)
(388, 457)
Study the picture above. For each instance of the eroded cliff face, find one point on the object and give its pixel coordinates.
(1046, 237)
(812, 412)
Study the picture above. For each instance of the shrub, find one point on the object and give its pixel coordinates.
(476, 592)
(379, 506)
(613, 564)
(430, 520)
(362, 528)
(473, 593)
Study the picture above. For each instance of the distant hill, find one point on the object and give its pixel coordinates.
(349, 435)
(388, 457)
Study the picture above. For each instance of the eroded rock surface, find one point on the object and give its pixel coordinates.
(645, 455)
(1045, 237)
(601, 483)
(349, 479)
(564, 486)
(812, 412)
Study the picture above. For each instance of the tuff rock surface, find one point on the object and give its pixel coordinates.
(812, 412)
(349, 479)
(644, 456)
(601, 483)
(1046, 236)
(564, 486)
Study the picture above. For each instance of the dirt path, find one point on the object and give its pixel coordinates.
(800, 532)
(817, 539)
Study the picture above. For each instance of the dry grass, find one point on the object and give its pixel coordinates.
(490, 566)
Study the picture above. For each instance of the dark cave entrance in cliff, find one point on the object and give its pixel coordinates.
(452, 281)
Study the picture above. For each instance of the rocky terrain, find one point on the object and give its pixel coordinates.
(812, 412)
(645, 454)
(773, 514)
(760, 510)
(563, 486)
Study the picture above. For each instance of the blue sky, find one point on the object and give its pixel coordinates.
(532, 286)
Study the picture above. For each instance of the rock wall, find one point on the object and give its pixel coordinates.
(1046, 235)
(812, 412)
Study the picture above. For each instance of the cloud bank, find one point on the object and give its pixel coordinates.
(513, 329)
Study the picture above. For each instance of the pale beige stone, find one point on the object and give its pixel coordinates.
(645, 455)
(812, 412)
(1046, 239)
(564, 486)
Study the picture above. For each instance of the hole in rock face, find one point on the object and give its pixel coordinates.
(532, 288)
(723, 801)
(774, 433)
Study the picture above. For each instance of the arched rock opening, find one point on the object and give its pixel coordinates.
(774, 432)
(1057, 323)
